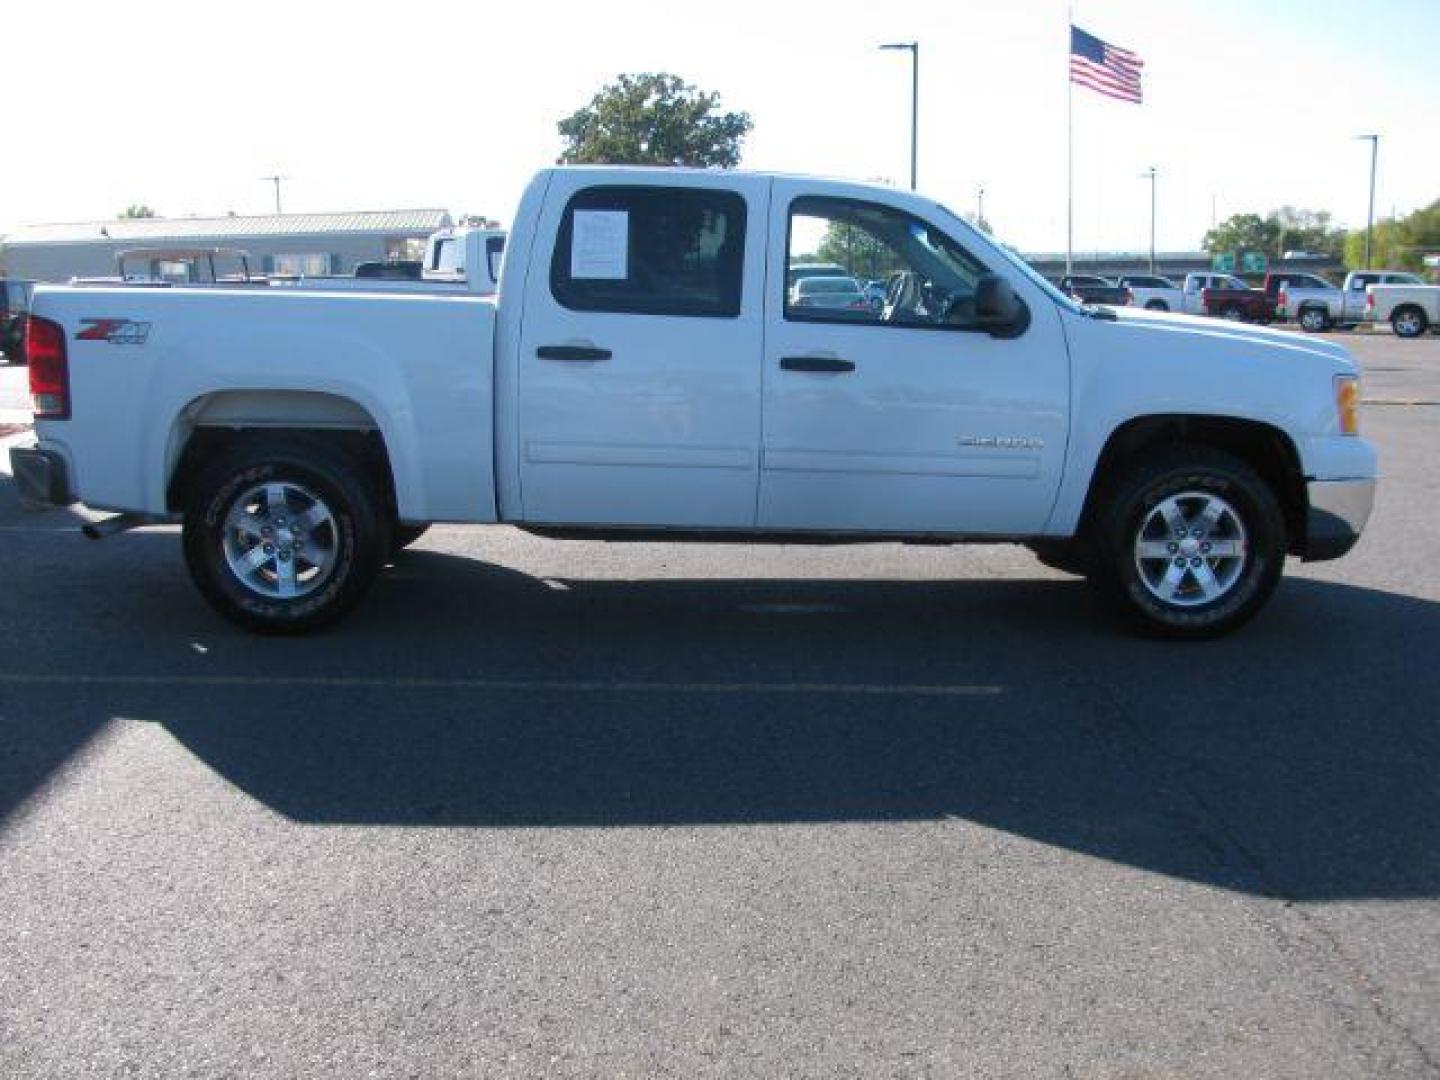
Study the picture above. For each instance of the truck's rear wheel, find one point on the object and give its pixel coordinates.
(1157, 305)
(284, 535)
(1232, 312)
(1408, 322)
(1190, 543)
(1314, 320)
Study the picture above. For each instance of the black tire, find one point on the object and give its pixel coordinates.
(402, 535)
(1314, 320)
(1409, 321)
(1191, 475)
(1232, 312)
(1157, 305)
(352, 541)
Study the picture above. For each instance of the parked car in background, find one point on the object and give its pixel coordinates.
(1090, 289)
(1197, 284)
(14, 306)
(1309, 299)
(1239, 303)
(178, 266)
(457, 260)
(1242, 301)
(830, 292)
(1153, 293)
(1409, 309)
(800, 271)
(1318, 305)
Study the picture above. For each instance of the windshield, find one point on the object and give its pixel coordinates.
(1028, 272)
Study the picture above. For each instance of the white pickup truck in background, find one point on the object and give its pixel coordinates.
(1317, 305)
(1154, 293)
(642, 375)
(460, 259)
(1410, 309)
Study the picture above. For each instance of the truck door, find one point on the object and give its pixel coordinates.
(895, 420)
(639, 353)
(1194, 285)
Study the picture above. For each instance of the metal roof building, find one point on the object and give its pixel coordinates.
(331, 243)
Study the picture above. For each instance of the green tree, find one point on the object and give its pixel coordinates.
(861, 253)
(1279, 231)
(1398, 243)
(653, 119)
(1243, 232)
(138, 210)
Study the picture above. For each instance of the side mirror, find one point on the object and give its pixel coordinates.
(997, 308)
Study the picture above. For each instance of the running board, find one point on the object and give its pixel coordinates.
(99, 530)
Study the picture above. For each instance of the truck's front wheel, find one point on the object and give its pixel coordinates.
(283, 535)
(1191, 543)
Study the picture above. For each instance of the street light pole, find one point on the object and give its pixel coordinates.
(980, 207)
(914, 49)
(1150, 175)
(276, 181)
(1370, 219)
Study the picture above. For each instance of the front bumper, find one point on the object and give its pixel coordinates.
(1338, 512)
(41, 475)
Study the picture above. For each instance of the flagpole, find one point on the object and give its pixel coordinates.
(1069, 146)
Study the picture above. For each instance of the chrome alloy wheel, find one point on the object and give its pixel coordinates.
(279, 540)
(1191, 549)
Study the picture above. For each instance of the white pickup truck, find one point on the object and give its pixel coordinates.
(1317, 305)
(461, 259)
(1410, 308)
(642, 376)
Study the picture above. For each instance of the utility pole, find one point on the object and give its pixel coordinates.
(914, 49)
(1370, 219)
(1150, 175)
(276, 181)
(980, 207)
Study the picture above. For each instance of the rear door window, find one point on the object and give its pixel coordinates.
(651, 251)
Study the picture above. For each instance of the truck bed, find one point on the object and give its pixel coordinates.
(415, 369)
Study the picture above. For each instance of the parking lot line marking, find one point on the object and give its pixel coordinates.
(1397, 401)
(345, 682)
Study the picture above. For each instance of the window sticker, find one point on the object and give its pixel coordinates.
(599, 246)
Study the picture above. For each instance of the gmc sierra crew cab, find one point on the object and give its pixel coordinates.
(642, 375)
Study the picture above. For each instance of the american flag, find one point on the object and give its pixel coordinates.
(1111, 71)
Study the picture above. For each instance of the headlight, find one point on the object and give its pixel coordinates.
(1347, 403)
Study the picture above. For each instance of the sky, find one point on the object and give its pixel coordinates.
(1250, 104)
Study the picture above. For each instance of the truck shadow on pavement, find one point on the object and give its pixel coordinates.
(1297, 759)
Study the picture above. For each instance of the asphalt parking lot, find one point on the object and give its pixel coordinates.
(575, 809)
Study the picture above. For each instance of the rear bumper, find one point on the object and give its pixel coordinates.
(41, 475)
(1338, 512)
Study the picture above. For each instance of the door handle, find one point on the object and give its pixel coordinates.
(816, 363)
(572, 352)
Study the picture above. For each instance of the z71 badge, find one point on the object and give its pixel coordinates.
(115, 331)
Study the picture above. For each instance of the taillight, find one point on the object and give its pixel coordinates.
(49, 368)
(1369, 301)
(1129, 298)
(1282, 304)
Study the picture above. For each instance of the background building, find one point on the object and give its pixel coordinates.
(277, 243)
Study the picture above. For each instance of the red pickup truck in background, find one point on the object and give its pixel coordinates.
(1251, 305)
